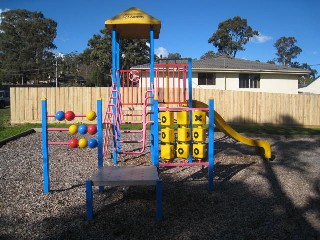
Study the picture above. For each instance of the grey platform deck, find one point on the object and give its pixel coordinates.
(125, 176)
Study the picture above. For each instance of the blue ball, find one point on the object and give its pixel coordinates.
(92, 143)
(60, 115)
(82, 129)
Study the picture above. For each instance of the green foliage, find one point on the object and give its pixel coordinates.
(304, 80)
(97, 58)
(95, 61)
(6, 130)
(231, 35)
(26, 39)
(175, 56)
(209, 55)
(273, 61)
(134, 52)
(4, 118)
(96, 77)
(286, 50)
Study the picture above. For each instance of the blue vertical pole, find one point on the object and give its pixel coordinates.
(154, 116)
(117, 61)
(190, 105)
(190, 82)
(100, 137)
(114, 94)
(89, 200)
(151, 57)
(45, 155)
(100, 133)
(114, 55)
(211, 145)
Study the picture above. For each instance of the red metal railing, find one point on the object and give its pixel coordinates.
(170, 84)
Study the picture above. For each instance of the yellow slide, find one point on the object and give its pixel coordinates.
(228, 130)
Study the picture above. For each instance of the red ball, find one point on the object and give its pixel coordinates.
(73, 143)
(69, 115)
(92, 129)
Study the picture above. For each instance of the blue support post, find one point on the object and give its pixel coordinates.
(190, 105)
(45, 155)
(211, 145)
(117, 62)
(190, 82)
(114, 54)
(100, 133)
(100, 137)
(152, 130)
(159, 199)
(151, 57)
(114, 94)
(89, 200)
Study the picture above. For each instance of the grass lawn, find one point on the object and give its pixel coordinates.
(6, 130)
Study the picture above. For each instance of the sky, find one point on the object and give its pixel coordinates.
(186, 25)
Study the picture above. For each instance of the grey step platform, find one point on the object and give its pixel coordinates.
(124, 176)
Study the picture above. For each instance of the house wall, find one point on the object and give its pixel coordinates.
(271, 83)
(312, 88)
(279, 83)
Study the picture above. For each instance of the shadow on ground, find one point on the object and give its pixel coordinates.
(233, 211)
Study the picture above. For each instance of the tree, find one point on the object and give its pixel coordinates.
(208, 55)
(313, 72)
(305, 79)
(231, 35)
(286, 50)
(134, 52)
(69, 69)
(273, 61)
(174, 56)
(26, 40)
(98, 56)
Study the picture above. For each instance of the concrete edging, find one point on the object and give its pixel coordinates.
(25, 133)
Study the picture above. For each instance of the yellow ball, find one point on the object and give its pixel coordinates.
(73, 129)
(91, 115)
(82, 143)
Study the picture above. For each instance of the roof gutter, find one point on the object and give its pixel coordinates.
(249, 71)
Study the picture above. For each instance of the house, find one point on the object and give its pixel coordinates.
(312, 88)
(226, 73)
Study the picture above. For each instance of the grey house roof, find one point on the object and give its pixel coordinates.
(226, 64)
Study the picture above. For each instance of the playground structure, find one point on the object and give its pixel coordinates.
(192, 144)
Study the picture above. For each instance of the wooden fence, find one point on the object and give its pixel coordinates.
(234, 106)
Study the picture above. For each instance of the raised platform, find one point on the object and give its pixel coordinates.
(124, 176)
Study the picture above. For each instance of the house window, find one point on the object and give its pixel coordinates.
(206, 79)
(249, 80)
